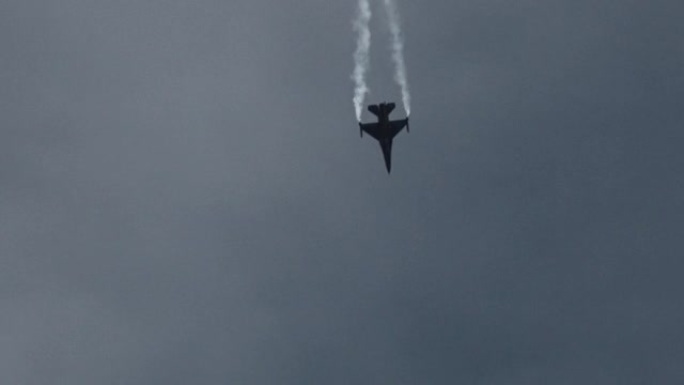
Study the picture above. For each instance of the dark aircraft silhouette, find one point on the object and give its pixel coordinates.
(384, 130)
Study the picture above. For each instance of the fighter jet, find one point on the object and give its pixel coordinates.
(384, 130)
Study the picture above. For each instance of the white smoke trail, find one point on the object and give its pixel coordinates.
(398, 53)
(361, 55)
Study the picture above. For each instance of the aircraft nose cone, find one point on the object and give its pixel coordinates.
(388, 164)
(387, 154)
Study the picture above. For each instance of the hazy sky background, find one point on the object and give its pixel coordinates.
(185, 199)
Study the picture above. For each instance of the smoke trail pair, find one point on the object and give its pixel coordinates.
(362, 54)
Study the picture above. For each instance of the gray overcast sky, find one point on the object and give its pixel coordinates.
(184, 197)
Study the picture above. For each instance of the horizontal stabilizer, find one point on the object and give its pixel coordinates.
(375, 109)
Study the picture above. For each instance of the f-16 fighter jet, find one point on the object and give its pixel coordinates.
(384, 130)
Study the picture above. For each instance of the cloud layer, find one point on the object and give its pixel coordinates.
(185, 198)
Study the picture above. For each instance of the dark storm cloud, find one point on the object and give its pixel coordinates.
(185, 198)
